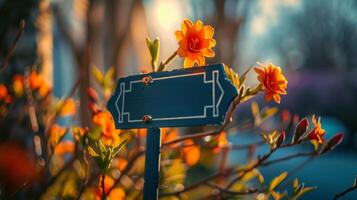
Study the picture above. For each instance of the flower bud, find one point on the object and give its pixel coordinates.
(93, 95)
(300, 129)
(332, 143)
(281, 138)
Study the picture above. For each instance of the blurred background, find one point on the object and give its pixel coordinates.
(315, 42)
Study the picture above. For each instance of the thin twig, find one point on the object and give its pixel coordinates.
(302, 154)
(350, 189)
(127, 169)
(231, 192)
(13, 45)
(163, 64)
(103, 187)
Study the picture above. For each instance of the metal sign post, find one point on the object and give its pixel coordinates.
(186, 97)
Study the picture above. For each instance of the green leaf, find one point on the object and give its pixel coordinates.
(277, 180)
(119, 147)
(108, 159)
(108, 78)
(92, 152)
(154, 47)
(95, 133)
(102, 149)
(98, 75)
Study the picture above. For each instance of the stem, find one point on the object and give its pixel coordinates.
(163, 64)
(13, 45)
(127, 168)
(102, 185)
(350, 189)
(288, 158)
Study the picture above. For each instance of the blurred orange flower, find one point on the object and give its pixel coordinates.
(110, 135)
(4, 94)
(68, 107)
(37, 82)
(191, 152)
(3, 91)
(18, 85)
(64, 147)
(56, 132)
(195, 42)
(169, 134)
(222, 142)
(78, 132)
(121, 163)
(317, 132)
(116, 193)
(273, 82)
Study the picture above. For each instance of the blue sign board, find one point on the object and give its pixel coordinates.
(184, 97)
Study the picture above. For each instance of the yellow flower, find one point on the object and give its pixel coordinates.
(195, 42)
(273, 82)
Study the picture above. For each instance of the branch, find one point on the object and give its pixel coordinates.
(288, 158)
(13, 45)
(127, 168)
(231, 192)
(350, 189)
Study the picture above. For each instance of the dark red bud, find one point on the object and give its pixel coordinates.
(332, 143)
(280, 139)
(93, 107)
(300, 129)
(93, 95)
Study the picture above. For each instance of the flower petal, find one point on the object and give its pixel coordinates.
(188, 63)
(209, 31)
(198, 25)
(186, 25)
(179, 35)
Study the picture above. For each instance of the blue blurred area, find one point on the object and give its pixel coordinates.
(331, 173)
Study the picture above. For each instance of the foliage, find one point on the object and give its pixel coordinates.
(68, 160)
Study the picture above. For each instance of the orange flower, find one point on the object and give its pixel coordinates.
(37, 82)
(64, 147)
(169, 134)
(116, 193)
(120, 163)
(191, 153)
(78, 132)
(273, 82)
(56, 132)
(222, 142)
(195, 42)
(110, 135)
(68, 107)
(3, 91)
(18, 85)
(317, 132)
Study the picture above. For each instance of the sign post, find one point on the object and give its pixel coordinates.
(186, 97)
